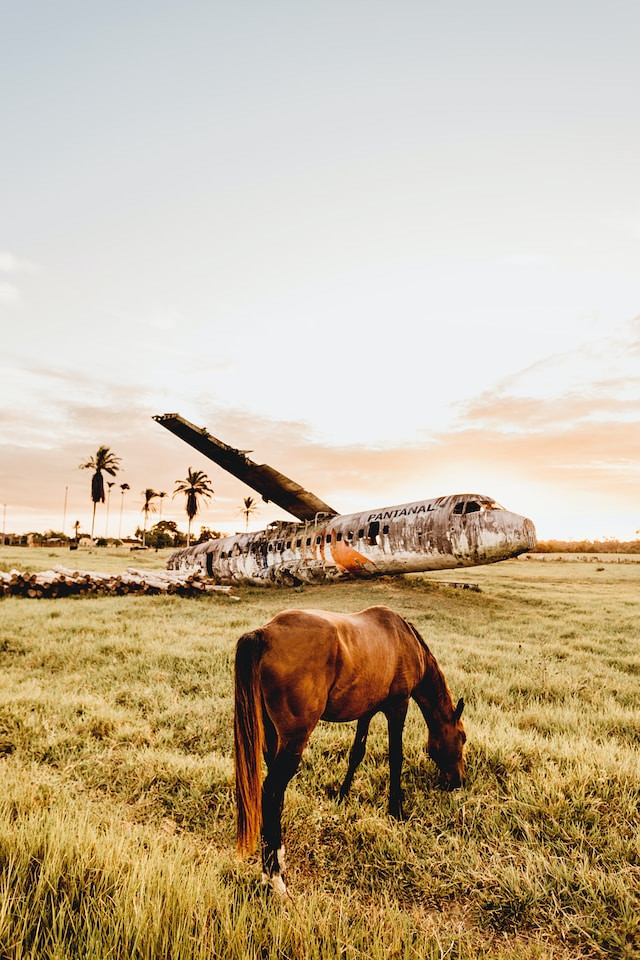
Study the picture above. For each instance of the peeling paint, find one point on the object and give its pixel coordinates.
(462, 530)
(456, 531)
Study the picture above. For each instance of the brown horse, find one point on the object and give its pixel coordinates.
(309, 665)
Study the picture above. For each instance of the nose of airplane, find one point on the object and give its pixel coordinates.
(529, 534)
(519, 534)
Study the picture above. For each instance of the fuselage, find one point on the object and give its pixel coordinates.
(462, 530)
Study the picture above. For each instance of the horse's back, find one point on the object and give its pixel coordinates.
(379, 660)
(308, 620)
(339, 665)
(319, 635)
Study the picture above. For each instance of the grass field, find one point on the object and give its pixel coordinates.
(116, 778)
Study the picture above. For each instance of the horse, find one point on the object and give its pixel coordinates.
(309, 665)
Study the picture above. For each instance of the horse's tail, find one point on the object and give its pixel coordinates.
(248, 729)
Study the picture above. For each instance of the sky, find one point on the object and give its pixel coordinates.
(392, 248)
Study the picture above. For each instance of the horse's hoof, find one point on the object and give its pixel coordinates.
(277, 884)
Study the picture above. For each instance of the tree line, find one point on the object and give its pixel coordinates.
(196, 488)
(587, 546)
(166, 533)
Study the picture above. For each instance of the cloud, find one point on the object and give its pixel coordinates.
(9, 293)
(595, 381)
(571, 420)
(574, 455)
(627, 225)
(605, 401)
(9, 263)
(571, 447)
(47, 406)
(532, 472)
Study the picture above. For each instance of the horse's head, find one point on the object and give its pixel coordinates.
(446, 749)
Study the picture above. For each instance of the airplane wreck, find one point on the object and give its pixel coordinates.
(459, 530)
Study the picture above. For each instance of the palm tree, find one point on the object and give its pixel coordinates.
(249, 506)
(147, 508)
(195, 486)
(104, 460)
(162, 494)
(123, 487)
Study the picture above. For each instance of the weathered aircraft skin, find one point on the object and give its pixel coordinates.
(462, 530)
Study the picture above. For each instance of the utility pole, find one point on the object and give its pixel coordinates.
(106, 526)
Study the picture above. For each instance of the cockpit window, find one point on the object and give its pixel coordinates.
(475, 506)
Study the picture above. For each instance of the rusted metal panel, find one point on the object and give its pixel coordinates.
(269, 483)
(461, 530)
(448, 532)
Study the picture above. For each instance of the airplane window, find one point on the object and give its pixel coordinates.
(385, 529)
(339, 535)
(360, 534)
(472, 507)
(350, 535)
(318, 539)
(328, 538)
(298, 543)
(459, 508)
(288, 545)
(270, 547)
(374, 529)
(308, 541)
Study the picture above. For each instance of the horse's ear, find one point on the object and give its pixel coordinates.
(457, 713)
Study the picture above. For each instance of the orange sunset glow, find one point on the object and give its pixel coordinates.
(392, 251)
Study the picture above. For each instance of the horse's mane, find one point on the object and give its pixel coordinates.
(437, 672)
(417, 635)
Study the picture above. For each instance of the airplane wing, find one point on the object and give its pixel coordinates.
(269, 483)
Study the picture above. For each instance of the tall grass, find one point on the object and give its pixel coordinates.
(116, 769)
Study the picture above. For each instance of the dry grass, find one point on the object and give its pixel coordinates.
(116, 802)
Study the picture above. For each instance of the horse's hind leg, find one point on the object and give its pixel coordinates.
(281, 769)
(357, 753)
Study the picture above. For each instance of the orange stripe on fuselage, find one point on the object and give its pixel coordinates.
(349, 559)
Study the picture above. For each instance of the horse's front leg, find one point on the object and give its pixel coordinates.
(280, 771)
(396, 715)
(356, 754)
